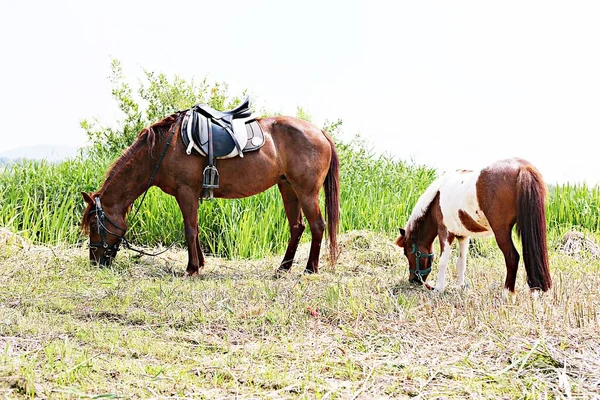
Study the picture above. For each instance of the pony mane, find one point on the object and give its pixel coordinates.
(146, 138)
(423, 204)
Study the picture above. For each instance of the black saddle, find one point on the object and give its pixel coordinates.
(241, 111)
(220, 134)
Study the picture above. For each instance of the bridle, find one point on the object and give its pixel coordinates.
(101, 217)
(111, 251)
(420, 273)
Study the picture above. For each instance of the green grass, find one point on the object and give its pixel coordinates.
(143, 329)
(42, 202)
(575, 205)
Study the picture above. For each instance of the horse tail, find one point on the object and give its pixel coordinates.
(531, 227)
(332, 201)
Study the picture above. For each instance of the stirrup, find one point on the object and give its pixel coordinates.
(210, 179)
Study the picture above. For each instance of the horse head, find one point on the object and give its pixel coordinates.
(106, 229)
(420, 258)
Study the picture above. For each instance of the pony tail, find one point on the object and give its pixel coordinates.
(332, 201)
(531, 227)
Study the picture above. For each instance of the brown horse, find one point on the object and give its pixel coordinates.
(481, 204)
(297, 157)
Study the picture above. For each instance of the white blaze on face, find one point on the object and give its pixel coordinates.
(459, 192)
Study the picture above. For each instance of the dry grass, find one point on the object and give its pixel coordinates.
(142, 329)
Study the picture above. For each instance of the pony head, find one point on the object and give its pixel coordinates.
(106, 230)
(420, 257)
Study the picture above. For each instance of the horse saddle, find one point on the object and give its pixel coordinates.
(221, 134)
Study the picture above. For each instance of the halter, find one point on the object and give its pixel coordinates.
(418, 254)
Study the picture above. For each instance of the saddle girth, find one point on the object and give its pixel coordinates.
(210, 175)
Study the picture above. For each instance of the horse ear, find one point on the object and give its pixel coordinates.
(400, 239)
(88, 198)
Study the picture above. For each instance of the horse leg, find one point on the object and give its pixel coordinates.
(461, 263)
(188, 203)
(511, 257)
(312, 210)
(446, 249)
(294, 217)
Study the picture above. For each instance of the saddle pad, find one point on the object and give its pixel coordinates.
(194, 132)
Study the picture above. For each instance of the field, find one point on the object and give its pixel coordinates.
(359, 330)
(142, 329)
(356, 330)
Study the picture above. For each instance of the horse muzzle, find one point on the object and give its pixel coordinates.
(105, 261)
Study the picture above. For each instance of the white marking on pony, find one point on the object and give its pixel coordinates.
(461, 263)
(459, 192)
(509, 297)
(442, 266)
(424, 202)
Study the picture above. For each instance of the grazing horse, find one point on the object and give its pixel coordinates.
(481, 203)
(296, 156)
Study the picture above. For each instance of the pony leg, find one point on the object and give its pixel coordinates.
(188, 203)
(446, 249)
(511, 257)
(310, 206)
(294, 217)
(461, 263)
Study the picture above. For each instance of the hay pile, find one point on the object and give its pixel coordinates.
(12, 241)
(577, 245)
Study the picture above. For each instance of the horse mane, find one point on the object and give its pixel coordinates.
(146, 138)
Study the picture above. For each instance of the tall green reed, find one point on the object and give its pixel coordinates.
(42, 201)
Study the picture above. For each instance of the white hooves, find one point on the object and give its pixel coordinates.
(509, 297)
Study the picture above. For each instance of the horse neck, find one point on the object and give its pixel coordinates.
(423, 231)
(128, 183)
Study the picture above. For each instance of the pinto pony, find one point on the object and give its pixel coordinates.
(297, 157)
(482, 203)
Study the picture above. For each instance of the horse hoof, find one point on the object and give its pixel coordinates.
(279, 272)
(309, 272)
(437, 290)
(509, 297)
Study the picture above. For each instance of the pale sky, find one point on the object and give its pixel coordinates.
(449, 84)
